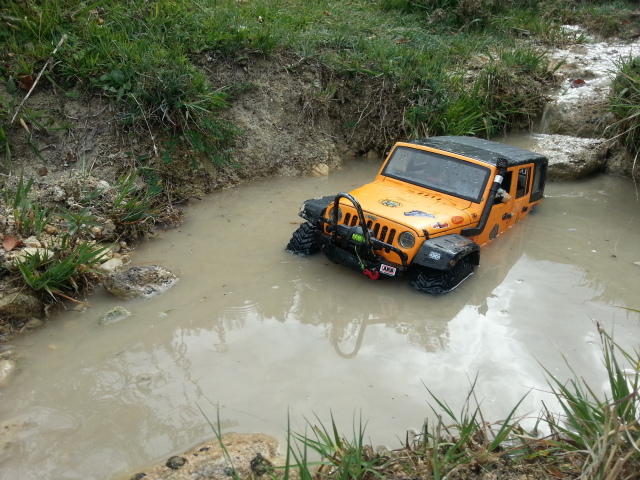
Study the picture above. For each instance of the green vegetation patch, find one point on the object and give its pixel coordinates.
(625, 103)
(141, 54)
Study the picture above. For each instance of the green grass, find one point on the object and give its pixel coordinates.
(61, 272)
(593, 436)
(64, 267)
(144, 56)
(606, 426)
(625, 103)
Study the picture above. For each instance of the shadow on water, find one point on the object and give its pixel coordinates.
(260, 333)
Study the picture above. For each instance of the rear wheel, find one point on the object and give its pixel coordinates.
(437, 282)
(303, 240)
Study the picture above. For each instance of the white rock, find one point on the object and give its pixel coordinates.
(21, 256)
(103, 185)
(32, 242)
(58, 194)
(320, 170)
(112, 265)
(114, 315)
(7, 369)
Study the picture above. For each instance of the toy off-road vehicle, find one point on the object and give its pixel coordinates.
(432, 205)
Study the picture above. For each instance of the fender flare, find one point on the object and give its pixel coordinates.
(314, 208)
(441, 253)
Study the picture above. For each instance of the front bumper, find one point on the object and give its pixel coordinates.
(355, 246)
(375, 269)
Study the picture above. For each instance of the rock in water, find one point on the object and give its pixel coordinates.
(114, 315)
(244, 456)
(139, 282)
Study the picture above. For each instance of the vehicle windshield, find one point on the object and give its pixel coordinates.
(438, 172)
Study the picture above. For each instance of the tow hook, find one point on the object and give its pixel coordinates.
(372, 275)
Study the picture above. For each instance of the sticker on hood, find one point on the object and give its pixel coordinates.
(387, 202)
(419, 213)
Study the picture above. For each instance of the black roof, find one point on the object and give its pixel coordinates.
(486, 151)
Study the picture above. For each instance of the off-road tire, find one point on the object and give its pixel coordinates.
(303, 240)
(437, 282)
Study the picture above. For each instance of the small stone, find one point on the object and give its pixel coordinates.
(114, 315)
(97, 232)
(7, 369)
(33, 323)
(32, 242)
(20, 305)
(175, 462)
(42, 171)
(138, 476)
(58, 194)
(320, 170)
(109, 228)
(260, 465)
(103, 185)
(51, 230)
(139, 281)
(32, 251)
(112, 265)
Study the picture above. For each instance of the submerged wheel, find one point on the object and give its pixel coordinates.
(303, 240)
(437, 282)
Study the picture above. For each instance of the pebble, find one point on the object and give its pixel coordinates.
(7, 369)
(176, 462)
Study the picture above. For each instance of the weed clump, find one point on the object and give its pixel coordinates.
(55, 250)
(593, 437)
(625, 103)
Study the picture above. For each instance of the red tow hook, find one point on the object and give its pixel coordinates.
(372, 275)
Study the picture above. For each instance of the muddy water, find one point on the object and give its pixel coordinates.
(253, 334)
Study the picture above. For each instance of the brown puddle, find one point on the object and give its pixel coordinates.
(262, 334)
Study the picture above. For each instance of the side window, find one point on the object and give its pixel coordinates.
(538, 178)
(524, 182)
(506, 182)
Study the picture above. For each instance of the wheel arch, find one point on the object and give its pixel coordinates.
(441, 253)
(314, 208)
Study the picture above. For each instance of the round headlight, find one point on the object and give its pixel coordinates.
(406, 240)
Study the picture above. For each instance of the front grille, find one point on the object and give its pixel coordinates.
(381, 232)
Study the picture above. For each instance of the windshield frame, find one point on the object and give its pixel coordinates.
(438, 172)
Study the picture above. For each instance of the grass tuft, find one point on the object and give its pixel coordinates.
(593, 438)
(624, 103)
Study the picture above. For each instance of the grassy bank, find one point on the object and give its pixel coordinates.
(457, 66)
(594, 436)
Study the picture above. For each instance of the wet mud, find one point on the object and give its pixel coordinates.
(254, 334)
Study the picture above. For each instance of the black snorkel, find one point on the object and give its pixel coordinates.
(501, 164)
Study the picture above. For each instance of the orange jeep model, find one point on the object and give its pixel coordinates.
(433, 204)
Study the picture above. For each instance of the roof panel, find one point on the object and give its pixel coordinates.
(486, 151)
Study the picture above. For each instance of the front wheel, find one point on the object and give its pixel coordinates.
(437, 282)
(303, 241)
